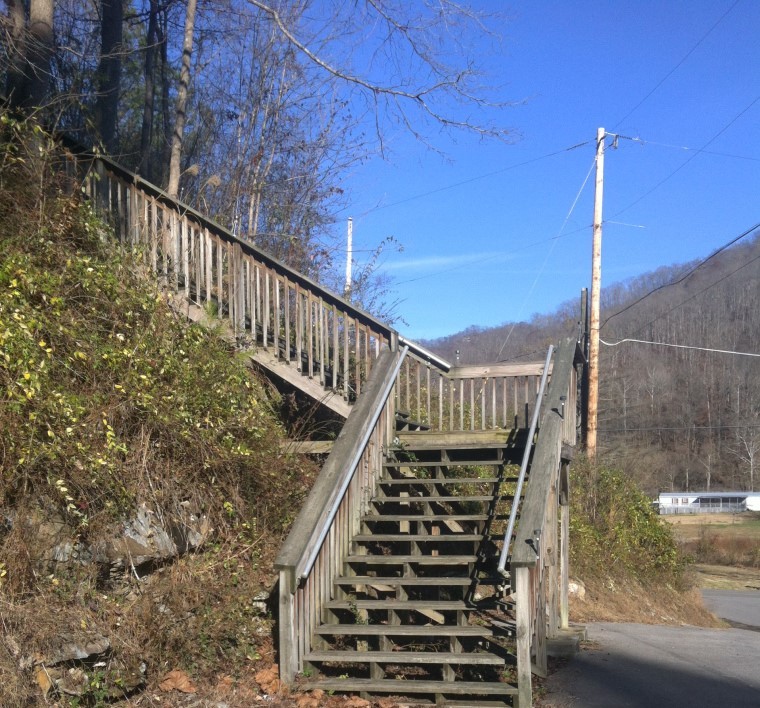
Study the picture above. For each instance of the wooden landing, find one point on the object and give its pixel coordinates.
(442, 439)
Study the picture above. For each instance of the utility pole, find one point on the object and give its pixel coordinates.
(349, 256)
(596, 286)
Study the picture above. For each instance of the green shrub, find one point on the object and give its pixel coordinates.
(616, 532)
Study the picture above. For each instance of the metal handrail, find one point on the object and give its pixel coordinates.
(524, 465)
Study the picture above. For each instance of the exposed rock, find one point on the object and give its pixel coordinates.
(576, 588)
(89, 646)
(150, 538)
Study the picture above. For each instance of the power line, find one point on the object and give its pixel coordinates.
(551, 250)
(678, 65)
(660, 428)
(473, 179)
(691, 157)
(685, 276)
(678, 346)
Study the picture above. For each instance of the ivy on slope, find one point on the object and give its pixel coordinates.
(108, 396)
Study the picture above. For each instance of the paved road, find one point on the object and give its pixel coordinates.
(739, 607)
(653, 666)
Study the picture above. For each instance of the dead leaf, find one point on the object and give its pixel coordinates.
(306, 700)
(356, 702)
(43, 679)
(269, 679)
(177, 680)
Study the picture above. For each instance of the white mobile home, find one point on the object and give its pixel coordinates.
(707, 502)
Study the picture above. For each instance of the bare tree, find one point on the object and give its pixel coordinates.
(109, 72)
(29, 48)
(180, 111)
(406, 61)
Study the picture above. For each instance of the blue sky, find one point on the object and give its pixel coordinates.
(497, 232)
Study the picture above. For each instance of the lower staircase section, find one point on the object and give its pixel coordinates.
(419, 613)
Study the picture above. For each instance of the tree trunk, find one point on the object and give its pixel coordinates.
(31, 51)
(109, 72)
(179, 119)
(146, 132)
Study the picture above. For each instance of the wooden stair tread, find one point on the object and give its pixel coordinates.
(398, 537)
(412, 581)
(406, 657)
(428, 499)
(404, 630)
(421, 559)
(392, 604)
(443, 480)
(425, 517)
(392, 464)
(472, 688)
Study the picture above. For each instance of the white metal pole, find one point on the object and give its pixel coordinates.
(349, 256)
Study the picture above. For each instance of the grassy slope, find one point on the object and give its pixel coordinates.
(110, 400)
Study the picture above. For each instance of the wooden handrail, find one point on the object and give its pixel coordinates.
(538, 551)
(319, 538)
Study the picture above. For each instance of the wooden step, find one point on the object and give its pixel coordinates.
(420, 537)
(417, 560)
(406, 657)
(393, 464)
(393, 686)
(406, 481)
(427, 517)
(403, 630)
(433, 498)
(414, 581)
(393, 604)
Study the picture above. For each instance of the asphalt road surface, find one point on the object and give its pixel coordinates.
(654, 666)
(740, 608)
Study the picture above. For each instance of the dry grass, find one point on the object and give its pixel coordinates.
(630, 601)
(719, 539)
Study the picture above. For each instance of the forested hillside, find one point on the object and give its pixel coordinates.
(676, 418)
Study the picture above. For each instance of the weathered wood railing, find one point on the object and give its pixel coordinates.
(260, 299)
(481, 397)
(539, 558)
(320, 536)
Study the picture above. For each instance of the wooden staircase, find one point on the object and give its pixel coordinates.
(419, 612)
(393, 580)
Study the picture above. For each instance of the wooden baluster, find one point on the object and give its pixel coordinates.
(310, 334)
(288, 351)
(335, 359)
(418, 392)
(176, 245)
(258, 306)
(185, 251)
(299, 328)
(346, 357)
(429, 415)
(323, 335)
(267, 313)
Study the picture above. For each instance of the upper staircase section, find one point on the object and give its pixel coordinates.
(295, 328)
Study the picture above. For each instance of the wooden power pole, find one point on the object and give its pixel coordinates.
(596, 286)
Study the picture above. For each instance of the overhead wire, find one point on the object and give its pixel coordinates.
(687, 161)
(684, 276)
(678, 65)
(546, 258)
(678, 346)
(470, 180)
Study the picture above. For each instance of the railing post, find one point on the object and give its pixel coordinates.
(287, 629)
(523, 632)
(564, 541)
